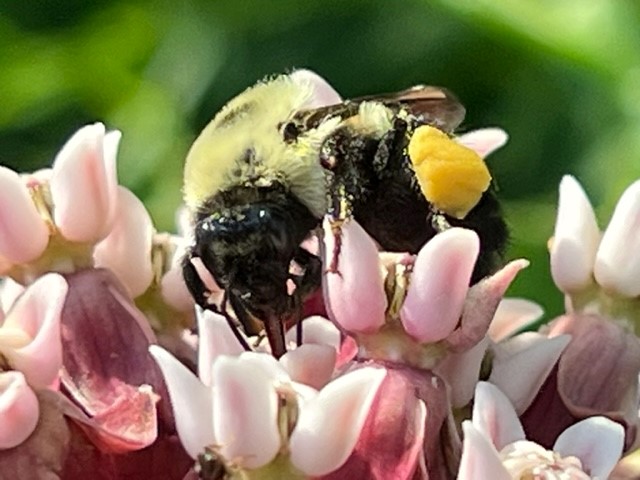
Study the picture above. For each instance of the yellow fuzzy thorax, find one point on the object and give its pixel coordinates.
(452, 177)
(242, 146)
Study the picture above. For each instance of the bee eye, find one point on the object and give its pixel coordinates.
(290, 132)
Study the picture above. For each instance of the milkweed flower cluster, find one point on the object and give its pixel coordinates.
(409, 372)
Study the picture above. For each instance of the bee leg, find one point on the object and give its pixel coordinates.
(340, 212)
(230, 322)
(274, 329)
(201, 294)
(194, 283)
(306, 283)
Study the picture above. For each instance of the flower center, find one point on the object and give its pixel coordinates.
(526, 460)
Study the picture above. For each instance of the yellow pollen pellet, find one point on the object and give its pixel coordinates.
(452, 177)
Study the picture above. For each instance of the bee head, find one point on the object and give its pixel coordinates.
(247, 244)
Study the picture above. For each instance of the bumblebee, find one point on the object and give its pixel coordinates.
(269, 166)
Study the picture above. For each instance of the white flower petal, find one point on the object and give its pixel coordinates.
(596, 441)
(329, 425)
(494, 416)
(512, 315)
(575, 239)
(216, 338)
(522, 364)
(461, 371)
(126, 251)
(310, 364)
(323, 92)
(23, 234)
(480, 459)
(484, 141)
(245, 411)
(617, 267)
(191, 402)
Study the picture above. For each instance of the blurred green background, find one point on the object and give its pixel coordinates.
(561, 76)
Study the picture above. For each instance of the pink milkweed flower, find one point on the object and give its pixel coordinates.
(417, 310)
(31, 353)
(599, 275)
(418, 319)
(253, 417)
(249, 438)
(30, 334)
(495, 445)
(587, 265)
(69, 208)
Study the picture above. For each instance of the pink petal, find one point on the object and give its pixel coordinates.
(317, 330)
(480, 307)
(461, 372)
(310, 364)
(522, 364)
(617, 265)
(105, 334)
(479, 457)
(245, 413)
(126, 250)
(190, 400)
(82, 186)
(355, 294)
(329, 425)
(387, 446)
(323, 92)
(37, 313)
(174, 290)
(512, 315)
(484, 141)
(216, 338)
(575, 240)
(205, 275)
(494, 416)
(23, 233)
(439, 285)
(596, 441)
(19, 409)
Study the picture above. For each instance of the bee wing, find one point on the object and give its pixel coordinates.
(429, 105)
